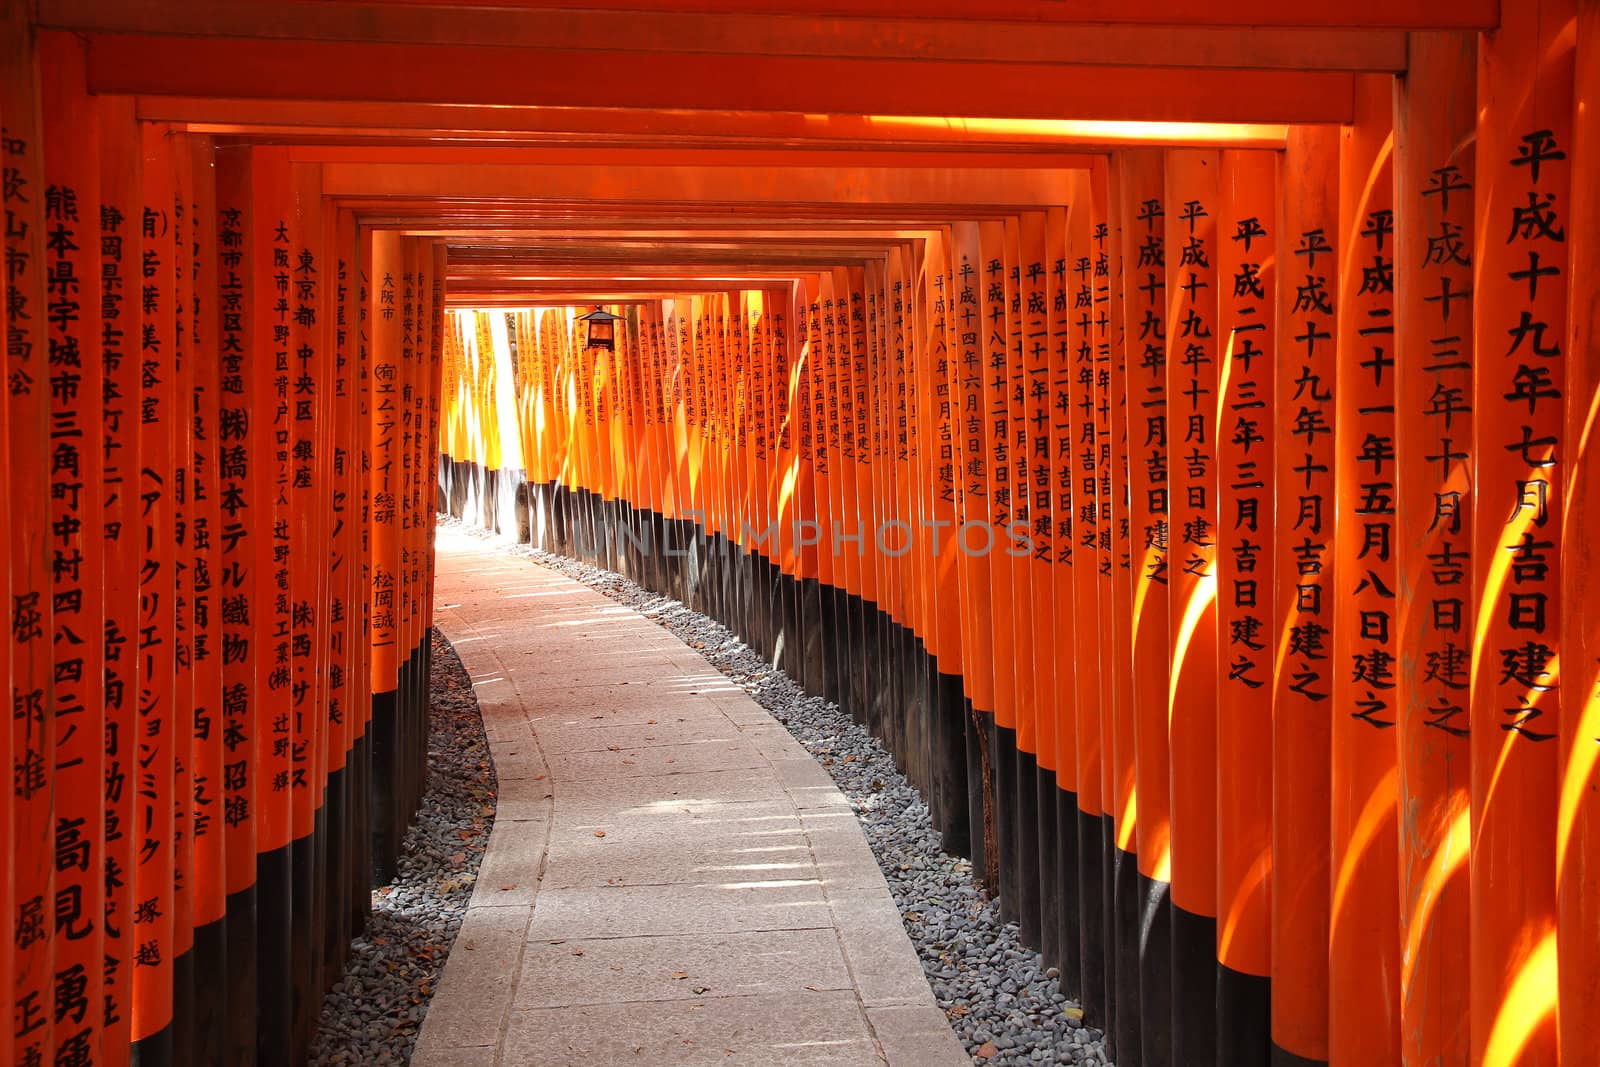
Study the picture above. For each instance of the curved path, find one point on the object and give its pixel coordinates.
(671, 877)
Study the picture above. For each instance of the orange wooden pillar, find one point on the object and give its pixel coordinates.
(719, 393)
(866, 681)
(839, 539)
(772, 465)
(694, 359)
(16, 72)
(155, 905)
(824, 433)
(1144, 312)
(30, 904)
(973, 565)
(648, 505)
(385, 318)
(1088, 399)
(939, 426)
(1192, 382)
(1524, 181)
(120, 242)
(270, 342)
(1435, 116)
(1247, 269)
(182, 364)
(1036, 484)
(74, 383)
(362, 594)
(242, 494)
(995, 331)
(1304, 596)
(341, 628)
(678, 409)
(1119, 783)
(783, 424)
(207, 825)
(772, 393)
(736, 345)
(310, 368)
(1364, 945)
(1096, 322)
(839, 404)
(1059, 291)
(1578, 814)
(886, 624)
(1015, 546)
(904, 347)
(803, 495)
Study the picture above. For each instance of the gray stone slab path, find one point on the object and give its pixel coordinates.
(671, 878)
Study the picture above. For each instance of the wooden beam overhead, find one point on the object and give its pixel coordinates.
(300, 121)
(751, 23)
(588, 158)
(777, 191)
(277, 69)
(1189, 44)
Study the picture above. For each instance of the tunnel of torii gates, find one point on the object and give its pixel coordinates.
(1167, 426)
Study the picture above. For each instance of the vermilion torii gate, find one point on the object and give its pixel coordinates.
(1272, 332)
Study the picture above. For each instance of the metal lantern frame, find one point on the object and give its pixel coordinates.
(602, 329)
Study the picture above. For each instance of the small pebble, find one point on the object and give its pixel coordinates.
(372, 1015)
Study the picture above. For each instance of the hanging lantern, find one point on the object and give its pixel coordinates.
(602, 329)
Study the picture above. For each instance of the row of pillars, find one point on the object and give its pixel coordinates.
(219, 429)
(1213, 550)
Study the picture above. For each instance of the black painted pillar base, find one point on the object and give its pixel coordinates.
(812, 624)
(1155, 975)
(1091, 919)
(950, 764)
(1003, 770)
(1125, 907)
(1194, 987)
(1244, 1018)
(975, 724)
(1069, 956)
(275, 974)
(1044, 805)
(1281, 1058)
(1025, 851)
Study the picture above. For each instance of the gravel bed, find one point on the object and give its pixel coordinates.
(372, 1015)
(1001, 1000)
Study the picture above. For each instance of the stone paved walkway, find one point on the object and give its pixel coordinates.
(671, 879)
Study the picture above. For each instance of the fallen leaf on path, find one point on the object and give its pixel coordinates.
(987, 1050)
(678, 975)
(508, 888)
(599, 833)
